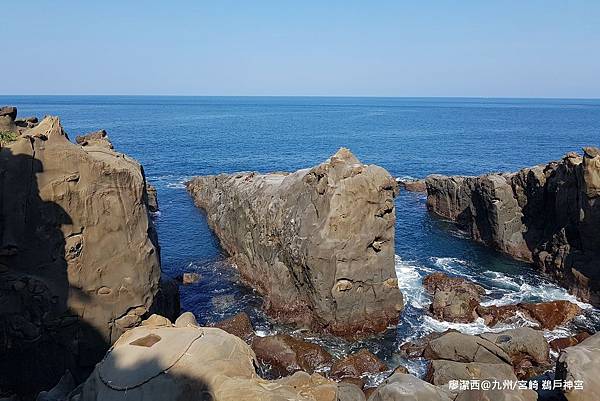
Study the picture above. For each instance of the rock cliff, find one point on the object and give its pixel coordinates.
(317, 243)
(548, 215)
(79, 261)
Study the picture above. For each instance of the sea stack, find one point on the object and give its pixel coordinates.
(79, 261)
(318, 244)
(548, 215)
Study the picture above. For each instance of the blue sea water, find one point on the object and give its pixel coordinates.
(178, 137)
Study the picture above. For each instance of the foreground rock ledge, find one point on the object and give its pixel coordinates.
(547, 214)
(318, 244)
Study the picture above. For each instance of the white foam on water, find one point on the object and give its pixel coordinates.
(410, 282)
(454, 266)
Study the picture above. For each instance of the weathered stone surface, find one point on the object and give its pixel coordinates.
(196, 363)
(580, 363)
(413, 185)
(454, 299)
(442, 371)
(97, 138)
(548, 215)
(559, 344)
(79, 264)
(357, 365)
(548, 315)
(238, 325)
(404, 387)
(317, 243)
(285, 354)
(152, 198)
(527, 348)
(460, 347)
(8, 111)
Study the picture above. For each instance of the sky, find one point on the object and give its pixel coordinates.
(524, 48)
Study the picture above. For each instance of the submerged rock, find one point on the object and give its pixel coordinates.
(79, 261)
(548, 215)
(196, 363)
(318, 244)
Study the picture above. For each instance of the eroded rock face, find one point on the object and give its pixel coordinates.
(78, 261)
(196, 363)
(580, 363)
(317, 243)
(404, 387)
(548, 215)
(454, 299)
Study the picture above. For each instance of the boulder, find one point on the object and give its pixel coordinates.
(97, 138)
(579, 365)
(196, 363)
(460, 347)
(454, 299)
(527, 348)
(79, 261)
(548, 215)
(547, 315)
(318, 244)
(284, 354)
(190, 278)
(238, 325)
(404, 387)
(356, 365)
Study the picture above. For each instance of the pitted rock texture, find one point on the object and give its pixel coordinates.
(187, 362)
(547, 214)
(79, 264)
(580, 364)
(318, 244)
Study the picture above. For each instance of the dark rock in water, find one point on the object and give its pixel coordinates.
(548, 215)
(152, 198)
(559, 344)
(413, 185)
(454, 299)
(238, 325)
(286, 354)
(548, 315)
(79, 264)
(318, 244)
(356, 365)
(97, 138)
(579, 363)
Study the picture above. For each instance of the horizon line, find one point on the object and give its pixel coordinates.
(309, 96)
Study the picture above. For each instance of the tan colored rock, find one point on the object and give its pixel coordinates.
(97, 138)
(404, 387)
(460, 347)
(413, 185)
(79, 259)
(318, 244)
(196, 363)
(580, 364)
(547, 214)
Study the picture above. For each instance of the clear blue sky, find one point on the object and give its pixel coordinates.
(486, 48)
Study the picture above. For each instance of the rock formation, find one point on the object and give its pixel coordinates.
(159, 361)
(580, 364)
(404, 387)
(79, 264)
(547, 214)
(318, 244)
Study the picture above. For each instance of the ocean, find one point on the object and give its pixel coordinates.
(176, 138)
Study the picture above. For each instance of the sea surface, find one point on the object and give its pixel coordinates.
(176, 138)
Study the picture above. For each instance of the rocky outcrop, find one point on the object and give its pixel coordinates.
(318, 244)
(238, 325)
(558, 344)
(79, 264)
(187, 362)
(404, 387)
(97, 138)
(579, 366)
(283, 355)
(548, 215)
(454, 299)
(412, 185)
(460, 347)
(546, 315)
(355, 366)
